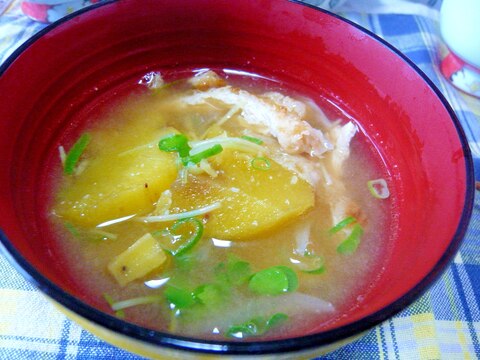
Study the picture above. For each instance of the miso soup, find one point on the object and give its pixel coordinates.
(216, 210)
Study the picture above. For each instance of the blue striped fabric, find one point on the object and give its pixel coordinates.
(443, 324)
(15, 28)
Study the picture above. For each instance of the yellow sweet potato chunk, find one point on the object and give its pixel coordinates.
(114, 185)
(144, 256)
(253, 201)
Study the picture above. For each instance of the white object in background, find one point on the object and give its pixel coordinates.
(460, 28)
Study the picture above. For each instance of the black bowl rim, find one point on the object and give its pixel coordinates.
(303, 343)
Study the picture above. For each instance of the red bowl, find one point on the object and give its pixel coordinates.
(71, 67)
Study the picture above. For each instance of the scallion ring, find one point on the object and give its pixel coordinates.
(260, 163)
(273, 281)
(193, 238)
(378, 188)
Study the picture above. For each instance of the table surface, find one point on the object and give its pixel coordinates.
(442, 324)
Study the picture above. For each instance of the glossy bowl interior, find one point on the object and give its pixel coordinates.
(64, 72)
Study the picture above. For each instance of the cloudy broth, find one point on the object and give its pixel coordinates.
(275, 240)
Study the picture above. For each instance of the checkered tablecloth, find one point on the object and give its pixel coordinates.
(443, 324)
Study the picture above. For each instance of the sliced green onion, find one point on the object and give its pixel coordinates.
(342, 224)
(234, 272)
(378, 188)
(350, 244)
(179, 298)
(276, 320)
(193, 237)
(71, 228)
(238, 271)
(252, 327)
(196, 158)
(273, 281)
(109, 300)
(75, 153)
(220, 271)
(144, 300)
(256, 326)
(179, 216)
(175, 143)
(185, 262)
(253, 139)
(209, 294)
(105, 234)
(291, 276)
(260, 163)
